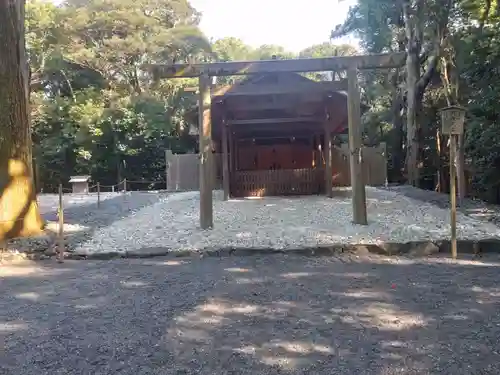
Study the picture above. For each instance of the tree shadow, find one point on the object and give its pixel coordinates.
(89, 217)
(470, 207)
(273, 315)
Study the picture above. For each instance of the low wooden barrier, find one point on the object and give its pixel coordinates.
(277, 182)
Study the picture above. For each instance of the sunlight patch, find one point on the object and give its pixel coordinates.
(385, 316)
(281, 361)
(30, 296)
(237, 270)
(296, 275)
(302, 347)
(133, 284)
(12, 326)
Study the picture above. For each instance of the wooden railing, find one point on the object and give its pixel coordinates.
(277, 182)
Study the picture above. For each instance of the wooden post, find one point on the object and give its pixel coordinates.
(113, 188)
(177, 172)
(98, 195)
(355, 150)
(213, 166)
(460, 165)
(383, 150)
(328, 162)
(205, 126)
(168, 155)
(60, 234)
(452, 121)
(453, 195)
(231, 151)
(225, 161)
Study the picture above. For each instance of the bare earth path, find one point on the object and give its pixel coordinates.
(251, 315)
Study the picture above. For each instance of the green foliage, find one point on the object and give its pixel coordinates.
(468, 74)
(231, 49)
(94, 110)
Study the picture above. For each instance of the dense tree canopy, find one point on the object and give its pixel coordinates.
(452, 48)
(94, 110)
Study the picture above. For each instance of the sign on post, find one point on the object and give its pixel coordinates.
(452, 121)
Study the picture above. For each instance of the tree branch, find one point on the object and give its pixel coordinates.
(429, 73)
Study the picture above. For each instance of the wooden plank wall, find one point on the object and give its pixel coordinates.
(374, 165)
(183, 171)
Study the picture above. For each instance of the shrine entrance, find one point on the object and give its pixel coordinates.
(275, 126)
(306, 107)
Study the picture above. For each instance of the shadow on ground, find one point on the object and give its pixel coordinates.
(252, 315)
(473, 208)
(90, 217)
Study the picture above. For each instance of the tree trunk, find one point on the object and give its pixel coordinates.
(412, 141)
(19, 214)
(413, 47)
(439, 162)
(397, 119)
(416, 83)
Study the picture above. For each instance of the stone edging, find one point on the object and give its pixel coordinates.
(417, 248)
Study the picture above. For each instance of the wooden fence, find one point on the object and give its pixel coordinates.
(374, 165)
(278, 182)
(183, 174)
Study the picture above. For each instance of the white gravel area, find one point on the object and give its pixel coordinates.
(49, 203)
(279, 223)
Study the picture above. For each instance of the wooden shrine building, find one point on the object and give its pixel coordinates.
(271, 125)
(278, 128)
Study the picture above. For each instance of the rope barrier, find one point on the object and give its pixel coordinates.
(110, 186)
(145, 182)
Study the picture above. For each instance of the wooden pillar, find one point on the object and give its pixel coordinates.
(453, 194)
(328, 161)
(355, 150)
(383, 151)
(231, 151)
(213, 166)
(168, 158)
(205, 126)
(225, 161)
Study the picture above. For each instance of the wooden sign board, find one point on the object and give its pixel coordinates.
(452, 120)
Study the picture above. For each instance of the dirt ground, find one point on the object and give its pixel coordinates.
(251, 315)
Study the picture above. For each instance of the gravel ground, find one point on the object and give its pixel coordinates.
(251, 315)
(470, 207)
(82, 217)
(171, 223)
(82, 208)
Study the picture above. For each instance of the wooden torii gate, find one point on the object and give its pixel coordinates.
(351, 64)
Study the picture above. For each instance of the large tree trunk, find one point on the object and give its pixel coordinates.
(19, 214)
(413, 16)
(412, 141)
(398, 131)
(413, 47)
